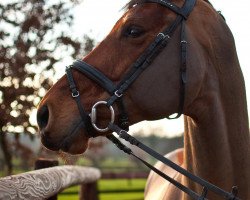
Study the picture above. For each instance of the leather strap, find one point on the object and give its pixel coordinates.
(171, 6)
(209, 186)
(95, 75)
(184, 11)
(75, 94)
(128, 151)
(183, 69)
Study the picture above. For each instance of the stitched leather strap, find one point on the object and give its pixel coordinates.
(128, 151)
(95, 75)
(183, 69)
(124, 135)
(169, 5)
(75, 94)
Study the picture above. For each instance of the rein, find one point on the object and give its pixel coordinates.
(117, 91)
(205, 184)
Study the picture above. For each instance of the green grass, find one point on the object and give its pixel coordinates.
(118, 184)
(112, 196)
(119, 189)
(122, 196)
(68, 197)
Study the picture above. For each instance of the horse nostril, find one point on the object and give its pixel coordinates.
(43, 117)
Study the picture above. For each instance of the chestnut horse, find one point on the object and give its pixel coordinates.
(216, 137)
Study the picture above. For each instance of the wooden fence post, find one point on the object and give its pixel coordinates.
(88, 191)
(42, 163)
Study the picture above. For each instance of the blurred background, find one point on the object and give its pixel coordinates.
(38, 38)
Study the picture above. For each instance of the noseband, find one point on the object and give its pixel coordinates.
(116, 93)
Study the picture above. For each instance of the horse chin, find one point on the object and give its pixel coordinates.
(71, 144)
(78, 145)
(76, 150)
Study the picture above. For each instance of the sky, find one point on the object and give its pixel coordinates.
(97, 17)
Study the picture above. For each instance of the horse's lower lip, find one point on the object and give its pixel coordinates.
(60, 144)
(55, 146)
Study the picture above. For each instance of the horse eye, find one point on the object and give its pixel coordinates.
(134, 32)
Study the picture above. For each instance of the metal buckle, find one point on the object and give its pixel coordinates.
(163, 35)
(93, 116)
(75, 94)
(117, 94)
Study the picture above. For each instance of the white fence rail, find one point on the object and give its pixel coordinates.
(44, 183)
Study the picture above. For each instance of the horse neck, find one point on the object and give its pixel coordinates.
(216, 140)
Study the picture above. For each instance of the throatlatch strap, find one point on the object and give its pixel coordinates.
(183, 69)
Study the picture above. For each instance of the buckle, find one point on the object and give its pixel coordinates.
(117, 94)
(75, 94)
(184, 41)
(163, 35)
(93, 116)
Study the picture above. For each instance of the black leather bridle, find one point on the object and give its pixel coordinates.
(116, 93)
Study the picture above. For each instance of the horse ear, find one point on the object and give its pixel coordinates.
(219, 12)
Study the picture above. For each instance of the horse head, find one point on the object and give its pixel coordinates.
(154, 95)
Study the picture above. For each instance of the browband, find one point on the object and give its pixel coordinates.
(95, 75)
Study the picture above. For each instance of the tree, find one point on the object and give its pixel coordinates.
(34, 36)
